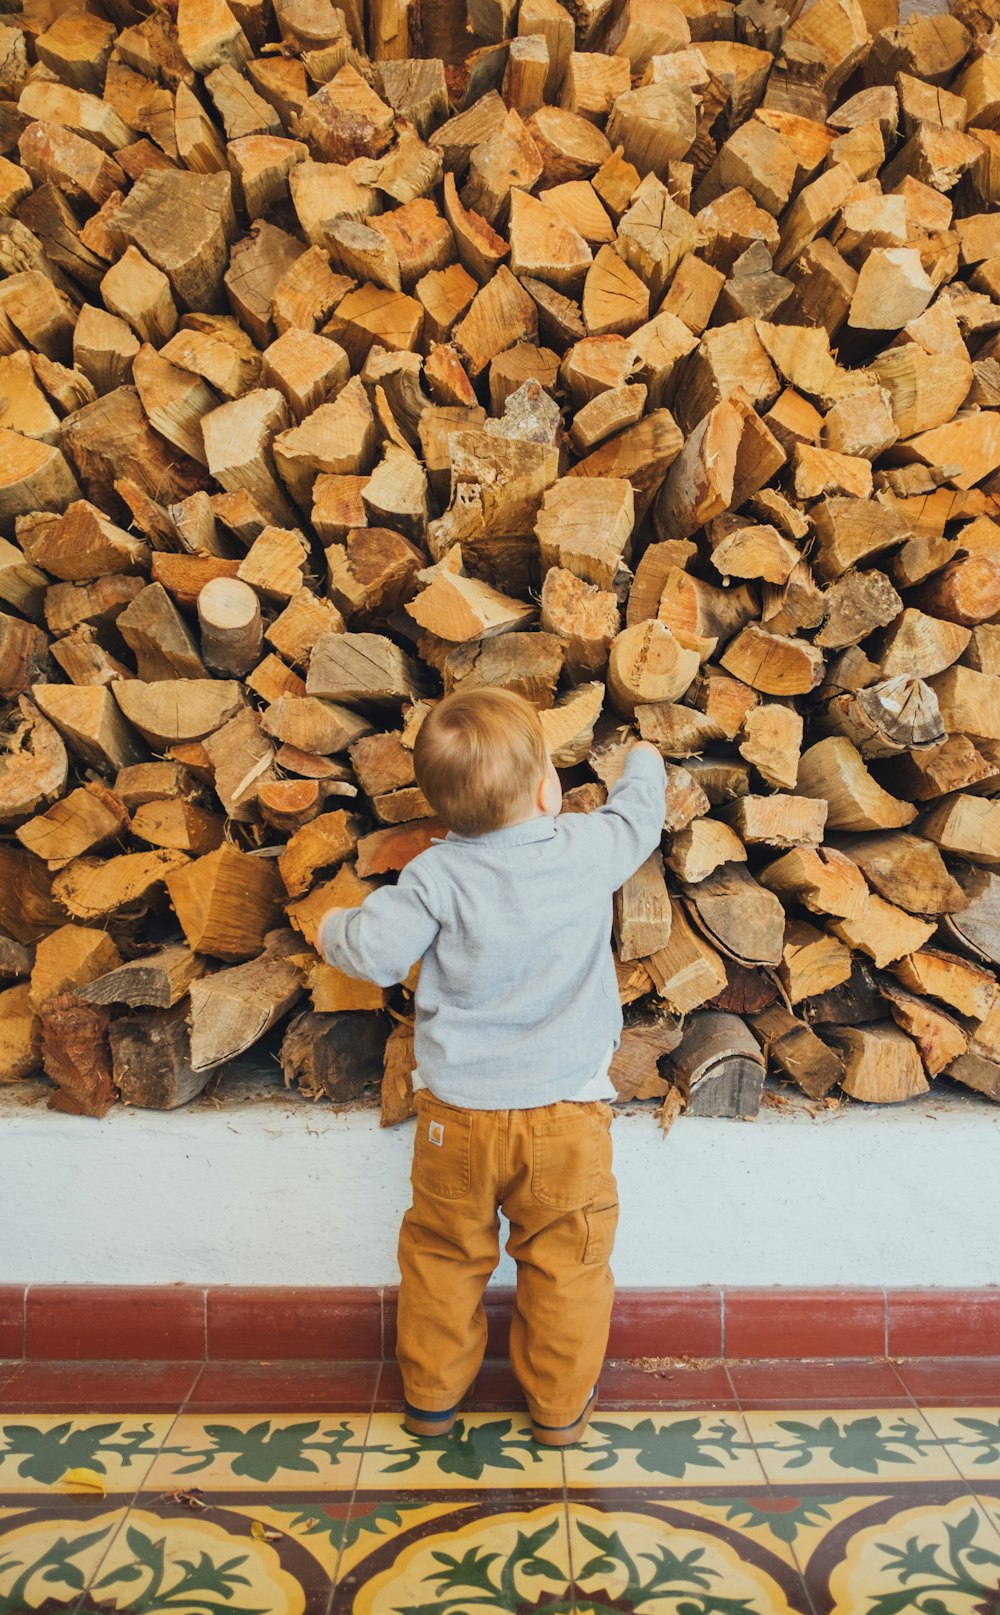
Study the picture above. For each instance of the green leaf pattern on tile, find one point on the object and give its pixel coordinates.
(343, 1532)
(185, 1587)
(782, 1516)
(864, 1443)
(985, 1436)
(670, 1447)
(664, 1580)
(269, 1446)
(931, 1586)
(45, 1455)
(55, 1564)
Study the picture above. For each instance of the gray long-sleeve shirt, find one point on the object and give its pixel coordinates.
(517, 998)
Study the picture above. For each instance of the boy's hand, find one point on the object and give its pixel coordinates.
(645, 745)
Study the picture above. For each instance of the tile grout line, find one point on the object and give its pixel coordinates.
(885, 1316)
(25, 1289)
(773, 1492)
(722, 1321)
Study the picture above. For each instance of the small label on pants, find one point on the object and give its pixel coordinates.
(435, 1132)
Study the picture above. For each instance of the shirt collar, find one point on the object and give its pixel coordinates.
(542, 828)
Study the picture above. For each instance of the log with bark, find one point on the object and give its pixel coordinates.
(638, 359)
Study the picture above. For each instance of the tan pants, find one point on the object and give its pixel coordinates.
(549, 1169)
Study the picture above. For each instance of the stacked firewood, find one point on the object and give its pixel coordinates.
(641, 356)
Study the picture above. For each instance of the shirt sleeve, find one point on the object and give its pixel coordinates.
(629, 825)
(383, 938)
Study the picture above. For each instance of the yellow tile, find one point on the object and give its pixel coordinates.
(504, 1560)
(664, 1449)
(278, 1452)
(373, 1524)
(971, 1439)
(634, 1560)
(817, 1445)
(39, 1450)
(488, 1451)
(934, 1556)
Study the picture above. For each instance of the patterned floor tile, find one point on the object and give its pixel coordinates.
(281, 1452)
(971, 1437)
(87, 1454)
(482, 1450)
(503, 1553)
(814, 1445)
(700, 1448)
(923, 1550)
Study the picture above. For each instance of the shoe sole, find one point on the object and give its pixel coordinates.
(429, 1427)
(572, 1432)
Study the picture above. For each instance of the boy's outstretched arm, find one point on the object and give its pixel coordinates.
(382, 939)
(629, 825)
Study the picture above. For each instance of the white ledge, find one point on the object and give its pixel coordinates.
(265, 1188)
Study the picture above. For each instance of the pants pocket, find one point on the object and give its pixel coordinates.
(565, 1163)
(442, 1149)
(602, 1224)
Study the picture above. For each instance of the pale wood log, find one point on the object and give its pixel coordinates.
(974, 1070)
(778, 821)
(225, 902)
(371, 574)
(34, 476)
(967, 701)
(921, 644)
(68, 959)
(585, 526)
(20, 1035)
(965, 987)
(699, 849)
(529, 664)
(883, 932)
(156, 981)
(652, 574)
(311, 725)
(744, 550)
(886, 718)
(568, 726)
(166, 712)
(647, 665)
(976, 926)
(84, 821)
(881, 1064)
(34, 769)
(967, 826)
(725, 700)
(833, 770)
(743, 918)
(89, 719)
(728, 456)
(688, 971)
(772, 663)
(908, 871)
(179, 825)
(797, 1051)
(676, 730)
(939, 1038)
(583, 617)
(361, 668)
(230, 623)
(94, 888)
(232, 1009)
(642, 912)
(325, 841)
(615, 300)
(772, 741)
(812, 962)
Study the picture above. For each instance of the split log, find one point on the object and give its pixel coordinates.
(718, 1067)
(75, 1054)
(334, 1056)
(642, 911)
(232, 1009)
(881, 1064)
(796, 1050)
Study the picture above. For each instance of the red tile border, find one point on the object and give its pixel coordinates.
(11, 1320)
(951, 1381)
(844, 1380)
(86, 1387)
(154, 1323)
(176, 1323)
(293, 1385)
(667, 1323)
(282, 1322)
(804, 1323)
(944, 1323)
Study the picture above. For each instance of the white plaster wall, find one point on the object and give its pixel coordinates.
(271, 1190)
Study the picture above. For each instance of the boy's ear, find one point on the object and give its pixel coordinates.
(549, 798)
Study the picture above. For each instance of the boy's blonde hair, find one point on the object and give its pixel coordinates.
(479, 756)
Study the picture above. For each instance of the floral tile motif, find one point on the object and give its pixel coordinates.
(820, 1445)
(503, 1561)
(662, 1449)
(79, 1453)
(489, 1450)
(940, 1557)
(278, 1453)
(971, 1437)
(132, 1559)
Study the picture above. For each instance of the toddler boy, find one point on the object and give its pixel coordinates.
(517, 1019)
